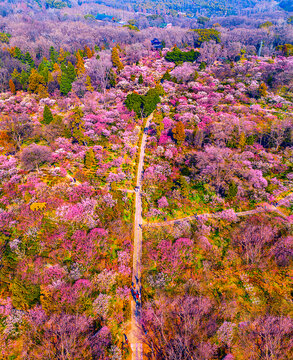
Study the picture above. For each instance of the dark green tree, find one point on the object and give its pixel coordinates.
(47, 115)
(144, 105)
(134, 102)
(150, 101)
(65, 84)
(202, 65)
(53, 54)
(70, 71)
(18, 54)
(29, 60)
(23, 79)
(167, 76)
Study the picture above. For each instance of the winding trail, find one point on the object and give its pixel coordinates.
(136, 344)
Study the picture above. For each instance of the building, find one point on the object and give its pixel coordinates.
(156, 44)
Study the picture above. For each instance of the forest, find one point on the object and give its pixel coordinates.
(146, 192)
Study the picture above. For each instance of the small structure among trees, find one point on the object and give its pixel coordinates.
(156, 44)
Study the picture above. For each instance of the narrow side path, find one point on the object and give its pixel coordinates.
(261, 209)
(136, 344)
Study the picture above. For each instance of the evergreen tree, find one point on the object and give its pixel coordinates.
(47, 115)
(144, 104)
(18, 54)
(53, 54)
(29, 60)
(65, 84)
(45, 73)
(15, 74)
(134, 102)
(151, 99)
(24, 79)
(70, 71)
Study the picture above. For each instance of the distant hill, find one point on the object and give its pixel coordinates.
(203, 7)
(50, 4)
(171, 7)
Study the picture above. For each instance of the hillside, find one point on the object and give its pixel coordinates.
(188, 7)
(216, 197)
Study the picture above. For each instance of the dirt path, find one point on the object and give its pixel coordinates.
(136, 344)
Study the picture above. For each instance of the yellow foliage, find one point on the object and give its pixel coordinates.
(57, 70)
(80, 64)
(12, 51)
(88, 83)
(6, 141)
(38, 206)
(242, 141)
(116, 59)
(62, 55)
(46, 299)
(263, 89)
(37, 83)
(42, 91)
(88, 52)
(50, 77)
(15, 74)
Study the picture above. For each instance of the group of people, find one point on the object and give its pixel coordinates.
(136, 294)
